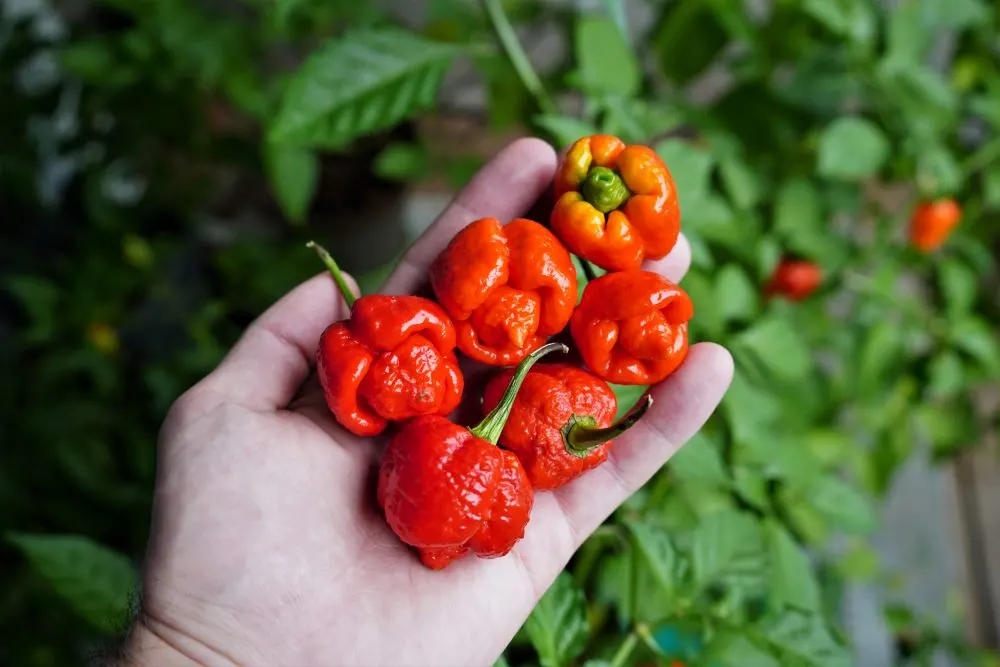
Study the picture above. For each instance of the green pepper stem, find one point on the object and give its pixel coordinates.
(604, 189)
(492, 425)
(338, 275)
(581, 434)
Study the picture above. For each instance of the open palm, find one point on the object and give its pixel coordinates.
(267, 546)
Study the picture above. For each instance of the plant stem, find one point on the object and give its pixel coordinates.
(518, 58)
(338, 275)
(582, 436)
(625, 650)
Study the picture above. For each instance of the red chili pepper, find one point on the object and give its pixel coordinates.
(631, 327)
(449, 490)
(616, 205)
(392, 360)
(560, 425)
(794, 280)
(933, 222)
(507, 287)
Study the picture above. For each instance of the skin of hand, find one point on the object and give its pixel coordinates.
(267, 546)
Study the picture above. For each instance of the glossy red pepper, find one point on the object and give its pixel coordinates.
(449, 490)
(507, 287)
(616, 205)
(933, 222)
(560, 424)
(392, 360)
(631, 327)
(794, 280)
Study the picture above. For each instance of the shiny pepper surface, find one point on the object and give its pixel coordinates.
(616, 205)
(631, 327)
(560, 425)
(795, 280)
(507, 287)
(450, 491)
(392, 360)
(933, 222)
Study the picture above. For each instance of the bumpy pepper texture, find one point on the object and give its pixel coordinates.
(392, 360)
(616, 205)
(631, 327)
(449, 491)
(560, 425)
(933, 222)
(507, 287)
(794, 280)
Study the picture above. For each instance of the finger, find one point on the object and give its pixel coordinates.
(561, 520)
(505, 188)
(266, 367)
(676, 264)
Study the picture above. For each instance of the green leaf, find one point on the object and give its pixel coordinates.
(978, 339)
(615, 9)
(944, 15)
(938, 171)
(691, 168)
(368, 80)
(849, 18)
(881, 353)
(946, 375)
(777, 346)
(751, 486)
(797, 208)
(959, 283)
(558, 626)
(727, 547)
(564, 130)
(681, 59)
(840, 504)
(852, 149)
(606, 62)
(293, 173)
(734, 649)
(402, 162)
(701, 462)
(906, 37)
(859, 562)
(501, 661)
(737, 297)
(991, 187)
(653, 543)
(740, 182)
(948, 426)
(804, 637)
(96, 581)
(793, 582)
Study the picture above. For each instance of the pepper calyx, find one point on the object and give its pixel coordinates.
(604, 189)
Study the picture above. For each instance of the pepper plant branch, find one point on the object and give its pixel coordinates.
(518, 58)
(625, 650)
(338, 275)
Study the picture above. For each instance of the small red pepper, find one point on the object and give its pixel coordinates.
(794, 280)
(616, 205)
(449, 490)
(631, 327)
(560, 425)
(933, 222)
(507, 287)
(392, 360)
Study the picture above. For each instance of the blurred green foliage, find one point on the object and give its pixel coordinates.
(123, 279)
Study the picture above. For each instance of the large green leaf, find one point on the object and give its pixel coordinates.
(96, 581)
(774, 343)
(365, 81)
(880, 354)
(740, 181)
(558, 625)
(793, 581)
(978, 339)
(727, 547)
(699, 461)
(851, 149)
(658, 551)
(690, 166)
(958, 282)
(606, 62)
(840, 504)
(802, 637)
(737, 297)
(293, 172)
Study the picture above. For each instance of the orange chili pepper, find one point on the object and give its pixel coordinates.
(933, 222)
(393, 359)
(507, 287)
(631, 327)
(616, 205)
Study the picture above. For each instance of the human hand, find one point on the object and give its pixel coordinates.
(267, 546)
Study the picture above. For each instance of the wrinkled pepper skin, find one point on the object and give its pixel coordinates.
(448, 493)
(616, 204)
(795, 280)
(631, 327)
(507, 287)
(932, 223)
(392, 360)
(550, 398)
